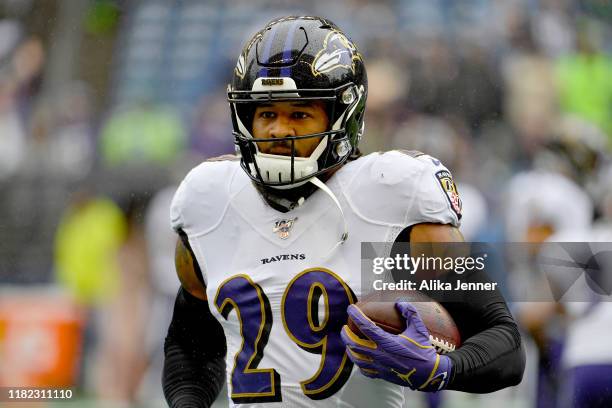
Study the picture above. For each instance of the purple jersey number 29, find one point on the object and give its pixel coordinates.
(301, 320)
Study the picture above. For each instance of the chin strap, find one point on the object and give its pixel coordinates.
(344, 235)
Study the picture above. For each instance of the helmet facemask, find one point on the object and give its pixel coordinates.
(288, 171)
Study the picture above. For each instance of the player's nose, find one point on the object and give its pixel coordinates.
(282, 127)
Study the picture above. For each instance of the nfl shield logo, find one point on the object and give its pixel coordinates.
(283, 227)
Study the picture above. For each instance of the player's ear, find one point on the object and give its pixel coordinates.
(187, 268)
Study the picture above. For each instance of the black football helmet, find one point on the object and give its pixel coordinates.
(576, 149)
(296, 59)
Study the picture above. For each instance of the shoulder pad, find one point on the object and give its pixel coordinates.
(203, 196)
(409, 189)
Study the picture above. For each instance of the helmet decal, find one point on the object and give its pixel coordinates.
(240, 69)
(337, 52)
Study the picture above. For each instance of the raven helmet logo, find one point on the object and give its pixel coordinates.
(337, 52)
(282, 228)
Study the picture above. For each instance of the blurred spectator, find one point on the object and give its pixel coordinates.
(212, 128)
(122, 357)
(21, 59)
(161, 240)
(531, 100)
(438, 138)
(62, 137)
(142, 134)
(474, 92)
(584, 79)
(87, 241)
(385, 102)
(553, 29)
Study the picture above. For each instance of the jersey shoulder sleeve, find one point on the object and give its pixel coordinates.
(402, 188)
(437, 198)
(203, 196)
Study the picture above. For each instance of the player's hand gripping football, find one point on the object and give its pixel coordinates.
(407, 359)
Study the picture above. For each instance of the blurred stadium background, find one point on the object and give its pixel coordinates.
(106, 104)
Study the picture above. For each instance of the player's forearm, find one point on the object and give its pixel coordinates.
(194, 352)
(491, 359)
(191, 382)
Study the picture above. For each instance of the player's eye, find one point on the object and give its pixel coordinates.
(300, 115)
(267, 115)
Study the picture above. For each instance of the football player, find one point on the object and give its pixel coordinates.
(269, 246)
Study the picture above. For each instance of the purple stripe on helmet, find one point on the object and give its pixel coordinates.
(263, 72)
(286, 71)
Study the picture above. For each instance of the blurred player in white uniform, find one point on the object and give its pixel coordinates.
(587, 306)
(554, 203)
(586, 301)
(269, 250)
(538, 206)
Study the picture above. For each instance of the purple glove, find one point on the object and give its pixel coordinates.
(407, 359)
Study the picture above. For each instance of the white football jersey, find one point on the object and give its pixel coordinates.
(273, 285)
(539, 196)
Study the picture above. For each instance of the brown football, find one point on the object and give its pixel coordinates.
(380, 308)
